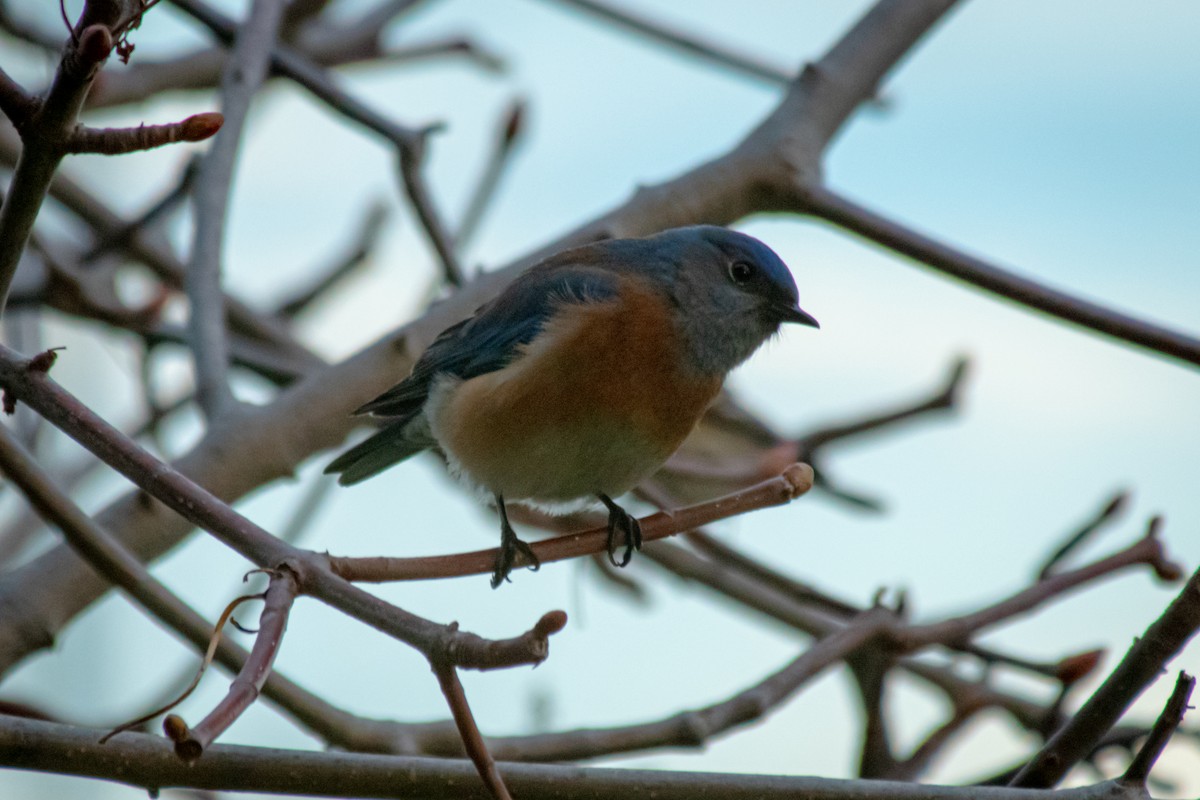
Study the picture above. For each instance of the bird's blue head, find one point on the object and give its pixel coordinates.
(732, 290)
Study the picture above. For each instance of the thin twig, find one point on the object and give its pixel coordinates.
(687, 43)
(156, 211)
(810, 447)
(794, 481)
(472, 739)
(498, 160)
(345, 265)
(190, 743)
(944, 398)
(198, 674)
(1164, 727)
(117, 141)
(1147, 550)
(408, 142)
(411, 175)
(912, 767)
(1111, 509)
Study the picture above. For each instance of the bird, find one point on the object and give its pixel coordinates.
(584, 375)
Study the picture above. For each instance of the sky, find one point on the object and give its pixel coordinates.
(1056, 139)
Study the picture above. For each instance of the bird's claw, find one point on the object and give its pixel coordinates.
(513, 553)
(623, 529)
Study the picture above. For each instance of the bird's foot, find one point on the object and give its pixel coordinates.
(624, 530)
(513, 553)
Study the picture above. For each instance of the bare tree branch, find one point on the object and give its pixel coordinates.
(325, 42)
(344, 266)
(156, 211)
(1111, 509)
(409, 142)
(1146, 551)
(243, 75)
(26, 380)
(1141, 666)
(828, 205)
(793, 482)
(498, 160)
(472, 739)
(686, 43)
(44, 135)
(15, 103)
(190, 743)
(156, 255)
(117, 141)
(1164, 728)
(106, 555)
(48, 746)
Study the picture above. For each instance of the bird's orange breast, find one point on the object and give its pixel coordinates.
(594, 404)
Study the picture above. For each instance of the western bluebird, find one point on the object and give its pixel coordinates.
(585, 374)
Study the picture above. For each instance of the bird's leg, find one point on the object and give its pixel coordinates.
(510, 546)
(624, 525)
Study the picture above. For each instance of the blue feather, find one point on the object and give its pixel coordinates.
(492, 338)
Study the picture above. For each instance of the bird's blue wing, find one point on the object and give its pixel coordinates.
(491, 338)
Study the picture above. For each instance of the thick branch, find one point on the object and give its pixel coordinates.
(148, 762)
(828, 205)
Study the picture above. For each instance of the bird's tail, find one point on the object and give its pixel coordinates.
(393, 444)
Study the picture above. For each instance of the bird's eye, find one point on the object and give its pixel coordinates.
(740, 271)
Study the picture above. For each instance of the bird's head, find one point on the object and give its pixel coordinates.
(732, 291)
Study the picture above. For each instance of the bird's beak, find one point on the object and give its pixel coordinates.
(798, 315)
